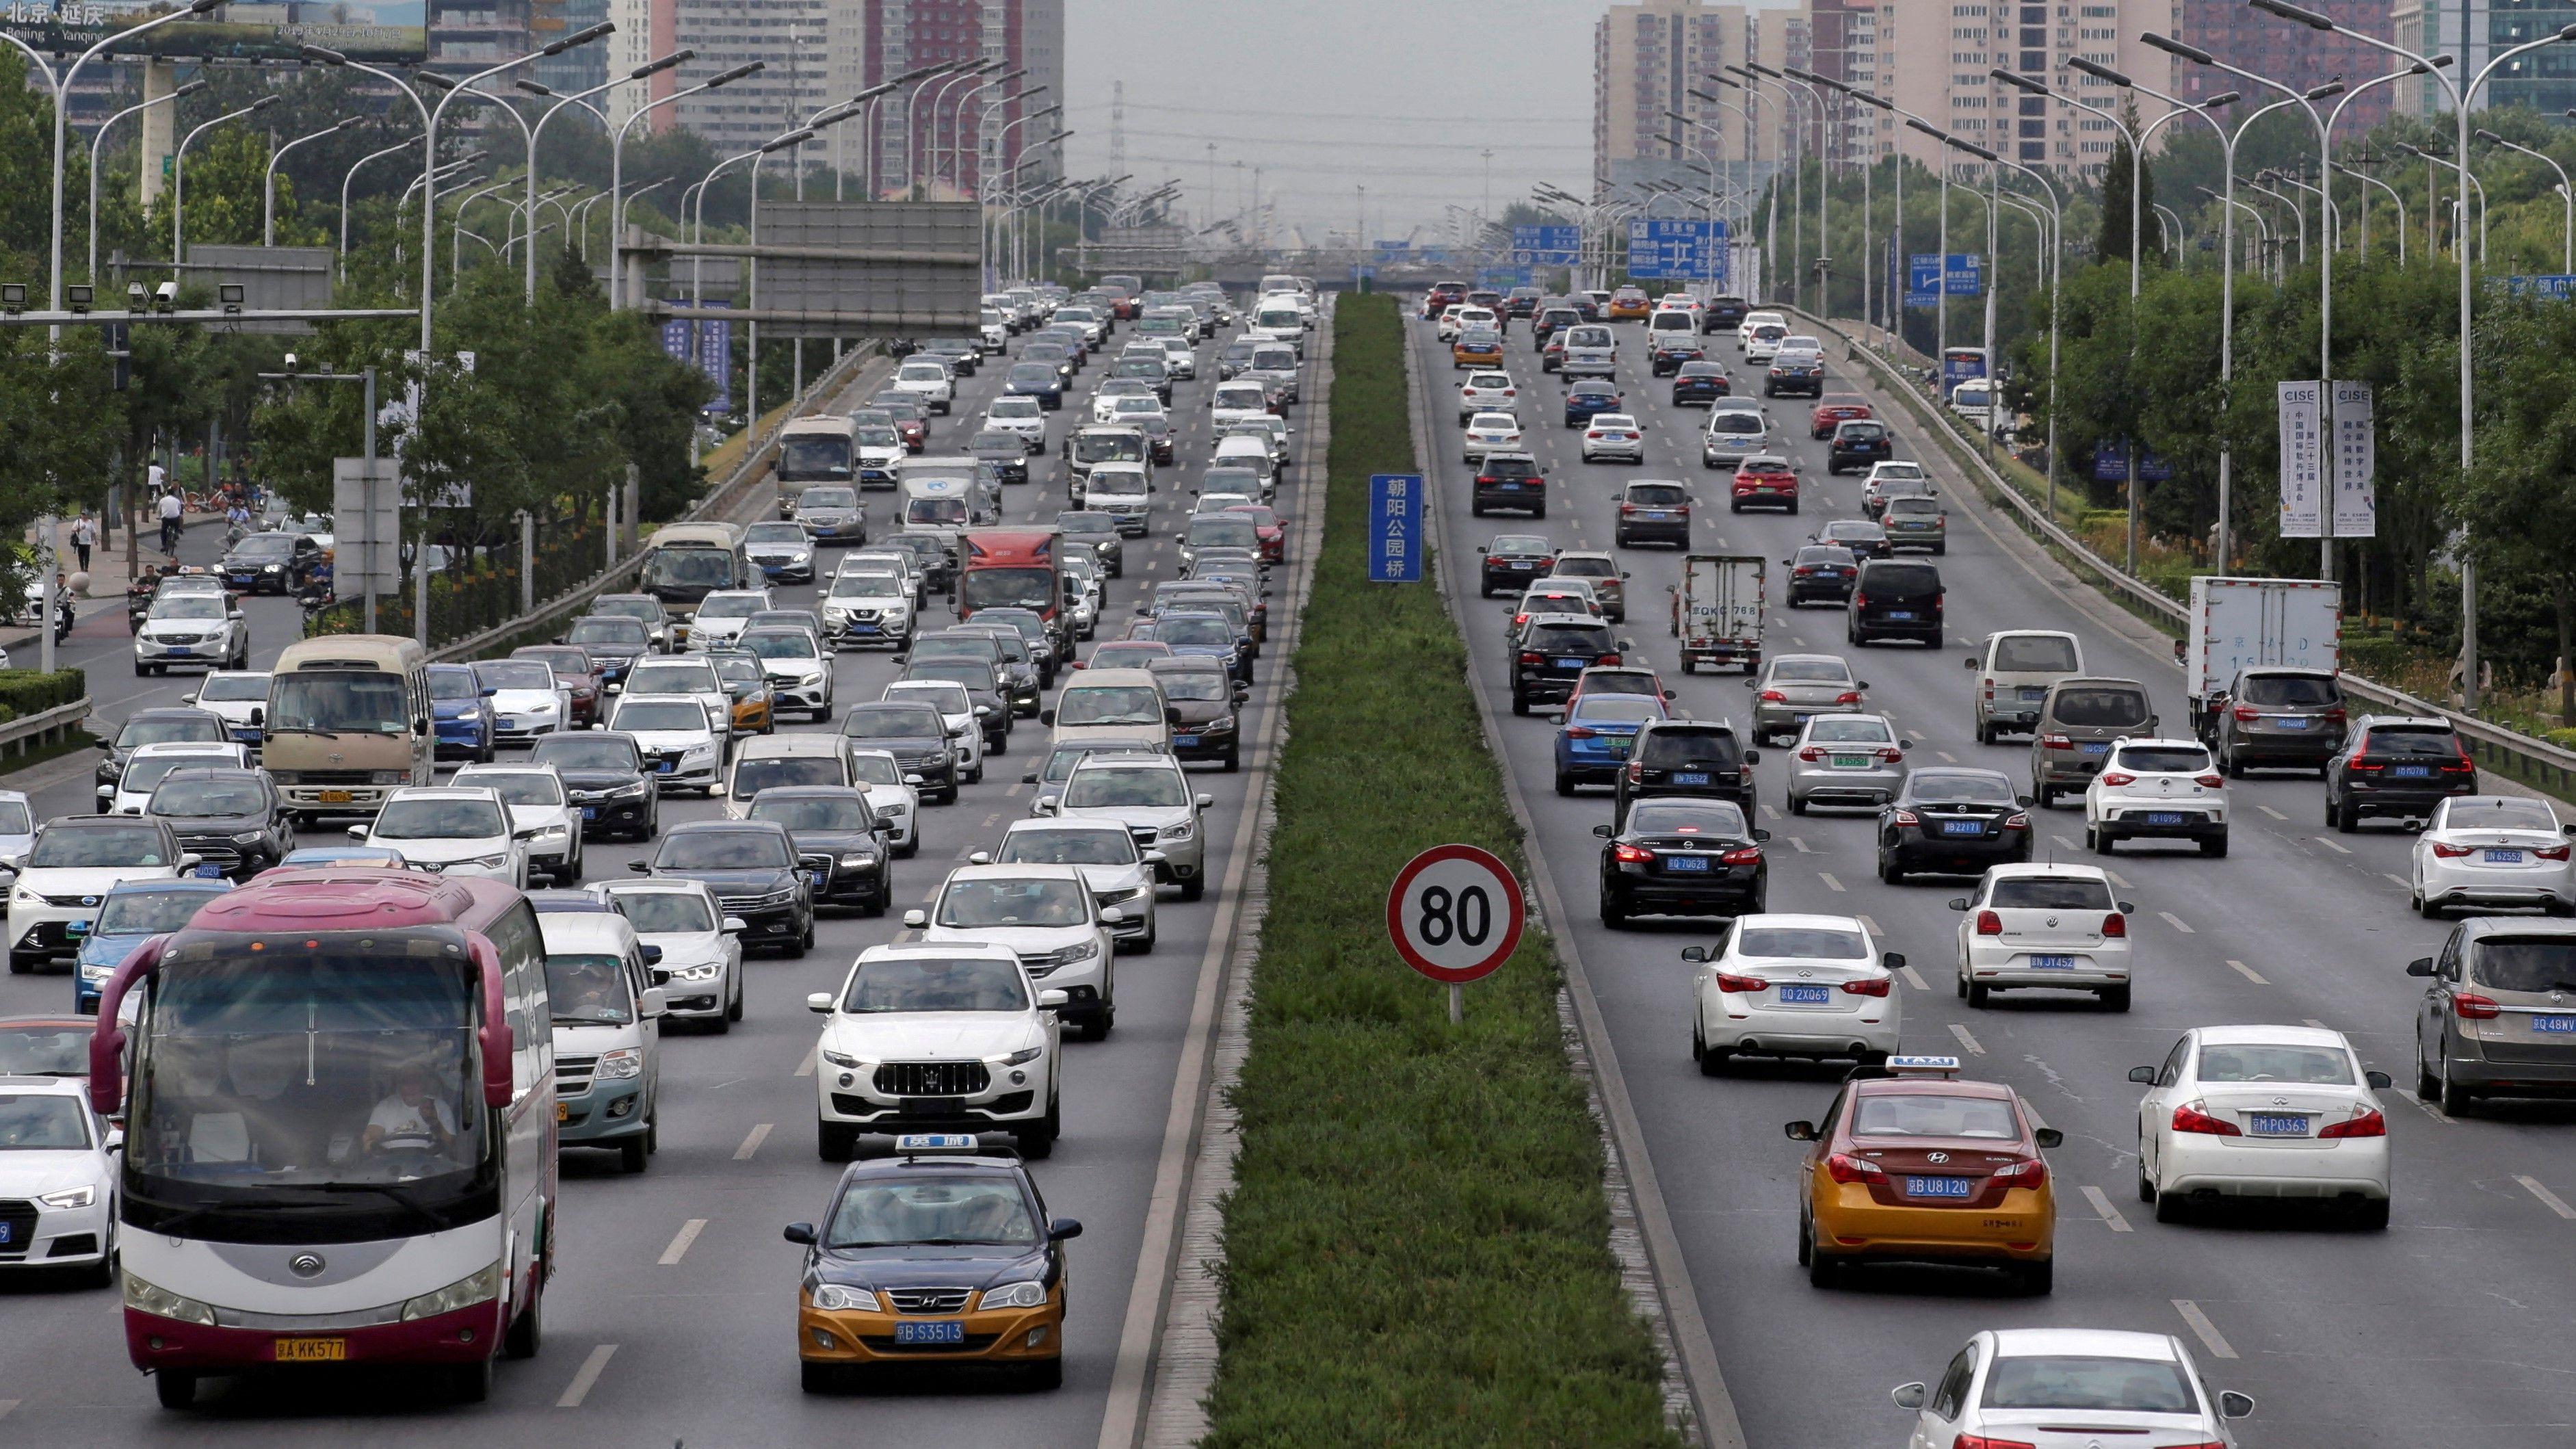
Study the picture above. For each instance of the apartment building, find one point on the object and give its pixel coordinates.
(2294, 54)
(2034, 39)
(1647, 60)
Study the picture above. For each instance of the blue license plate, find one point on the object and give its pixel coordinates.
(6, 1231)
(1805, 995)
(1963, 827)
(2402, 772)
(590, 812)
(2293, 724)
(176, 650)
(2052, 963)
(2278, 1124)
(773, 570)
(665, 768)
(2554, 1025)
(2032, 696)
(946, 1330)
(2103, 748)
(2504, 857)
(1900, 613)
(1185, 739)
(1954, 1187)
(2164, 817)
(863, 628)
(1691, 863)
(208, 870)
(1569, 664)
(1690, 777)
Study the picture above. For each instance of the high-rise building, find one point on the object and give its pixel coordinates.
(2036, 40)
(2544, 80)
(1648, 57)
(933, 136)
(467, 35)
(2292, 54)
(581, 67)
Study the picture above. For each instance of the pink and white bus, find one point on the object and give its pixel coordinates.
(341, 1141)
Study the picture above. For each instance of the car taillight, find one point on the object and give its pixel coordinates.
(1907, 817)
(1860, 601)
(1519, 619)
(2335, 715)
(2115, 778)
(2364, 1122)
(2016, 822)
(1893, 757)
(2246, 714)
(1848, 696)
(1773, 696)
(2190, 1118)
(2029, 1172)
(1581, 732)
(1811, 754)
(1627, 508)
(1743, 855)
(1630, 855)
(2366, 766)
(1842, 1167)
(2454, 852)
(2552, 852)
(1529, 658)
(1734, 984)
(2460, 765)
(1989, 924)
(1867, 986)
(2211, 780)
(2469, 1006)
(2055, 742)
(2116, 926)
(1636, 771)
(1594, 434)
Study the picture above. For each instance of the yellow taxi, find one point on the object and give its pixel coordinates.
(1913, 1165)
(942, 1253)
(1628, 304)
(755, 699)
(1477, 347)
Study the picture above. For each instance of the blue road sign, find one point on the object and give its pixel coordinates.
(1687, 248)
(1967, 277)
(2111, 464)
(2557, 285)
(1547, 246)
(1395, 528)
(1519, 276)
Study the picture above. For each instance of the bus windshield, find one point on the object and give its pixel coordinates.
(825, 457)
(690, 568)
(332, 702)
(1020, 588)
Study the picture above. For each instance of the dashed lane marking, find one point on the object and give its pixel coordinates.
(1800, 846)
(1966, 1040)
(2268, 810)
(805, 1068)
(2102, 1204)
(2249, 973)
(2312, 1021)
(2118, 880)
(1831, 884)
(2062, 842)
(2399, 881)
(2549, 1199)
(588, 1375)
(751, 1143)
(2205, 1330)
(1869, 925)
(2177, 922)
(681, 1240)
(1770, 811)
(1913, 978)
(2436, 1113)
(2328, 843)
(1946, 757)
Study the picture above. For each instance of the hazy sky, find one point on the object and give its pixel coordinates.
(1327, 96)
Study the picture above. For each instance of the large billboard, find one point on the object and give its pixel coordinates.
(386, 34)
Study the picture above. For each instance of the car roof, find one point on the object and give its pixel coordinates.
(2272, 1035)
(2033, 870)
(574, 929)
(1941, 1086)
(2515, 925)
(1021, 871)
(445, 792)
(45, 1086)
(2085, 1343)
(899, 950)
(713, 827)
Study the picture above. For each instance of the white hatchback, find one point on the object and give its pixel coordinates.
(1491, 433)
(2053, 927)
(2155, 789)
(2068, 1387)
(1794, 986)
(2493, 850)
(2262, 1111)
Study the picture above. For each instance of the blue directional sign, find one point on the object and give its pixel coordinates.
(2111, 464)
(1687, 248)
(1499, 277)
(706, 343)
(1547, 246)
(2558, 285)
(1395, 528)
(1967, 277)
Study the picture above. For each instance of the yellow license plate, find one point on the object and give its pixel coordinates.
(336, 797)
(312, 1350)
(562, 1112)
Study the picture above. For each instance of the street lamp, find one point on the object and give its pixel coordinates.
(100, 140)
(179, 175)
(268, 182)
(537, 133)
(2394, 199)
(912, 139)
(351, 175)
(617, 167)
(2567, 229)
(62, 102)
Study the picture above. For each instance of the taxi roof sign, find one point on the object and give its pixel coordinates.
(1922, 1064)
(923, 1143)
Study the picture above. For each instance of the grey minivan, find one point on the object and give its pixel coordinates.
(2495, 1018)
(2077, 722)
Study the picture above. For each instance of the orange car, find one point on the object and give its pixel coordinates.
(1628, 304)
(1477, 347)
(1913, 1165)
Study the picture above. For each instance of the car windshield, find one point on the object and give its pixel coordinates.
(169, 730)
(1198, 686)
(145, 913)
(232, 687)
(2035, 654)
(897, 1211)
(1196, 631)
(1116, 787)
(1849, 731)
(674, 676)
(1802, 943)
(662, 714)
(2313, 1066)
(2165, 759)
(936, 983)
(1616, 709)
(1116, 704)
(983, 901)
(44, 1049)
(265, 546)
(514, 674)
(188, 606)
(1958, 787)
(2413, 740)
(1086, 522)
(612, 630)
(2050, 893)
(455, 817)
(939, 694)
(1856, 432)
(208, 797)
(588, 990)
(575, 753)
(724, 850)
(147, 770)
(732, 606)
(1658, 495)
(1931, 1114)
(2100, 708)
(1667, 748)
(968, 673)
(664, 912)
(2525, 963)
(1811, 671)
(42, 1122)
(2498, 815)
(788, 533)
(16, 818)
(885, 721)
(1913, 508)
(778, 643)
(1569, 639)
(1825, 554)
(88, 846)
(1068, 847)
(1014, 407)
(813, 812)
(2065, 1381)
(1744, 423)
(827, 498)
(876, 435)
(1718, 818)
(454, 684)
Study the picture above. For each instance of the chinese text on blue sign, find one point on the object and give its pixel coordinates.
(1677, 247)
(1546, 246)
(1967, 276)
(1395, 528)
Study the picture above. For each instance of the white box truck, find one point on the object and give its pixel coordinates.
(2238, 624)
(1717, 610)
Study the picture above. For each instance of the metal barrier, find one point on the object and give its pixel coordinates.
(43, 727)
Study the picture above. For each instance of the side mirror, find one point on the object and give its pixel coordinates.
(916, 920)
(2023, 801)
(1052, 1000)
(1696, 955)
(2049, 1138)
(1958, 903)
(734, 925)
(819, 1001)
(114, 1141)
(1748, 680)
(1752, 757)
(1112, 916)
(1046, 717)
(2143, 1076)
(658, 976)
(1908, 1396)
(356, 832)
(2420, 966)
(1905, 744)
(1892, 960)
(1864, 684)
(1063, 1228)
(653, 957)
(1205, 802)
(799, 1233)
(2233, 1405)
(2379, 1080)
(1153, 857)
(1799, 1131)
(916, 779)
(1761, 837)
(1602, 830)
(980, 857)
(107, 792)
(1557, 718)
(2127, 908)
(653, 1004)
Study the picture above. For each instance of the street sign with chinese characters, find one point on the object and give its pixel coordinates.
(1395, 528)
(1546, 246)
(2303, 458)
(1686, 248)
(1967, 277)
(2356, 463)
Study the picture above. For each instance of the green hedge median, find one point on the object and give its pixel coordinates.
(1417, 1245)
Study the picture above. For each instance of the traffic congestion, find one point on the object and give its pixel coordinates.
(865, 858)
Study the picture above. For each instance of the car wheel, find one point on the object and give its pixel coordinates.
(2170, 1208)
(2215, 849)
(1195, 888)
(1564, 785)
(2036, 1279)
(1520, 703)
(2428, 1087)
(1038, 1141)
(2114, 998)
(176, 1388)
(733, 1008)
(631, 1157)
(2456, 1099)
(1960, 982)
(1979, 995)
(1824, 1270)
(2372, 1215)
(1613, 914)
(1797, 804)
(1890, 869)
(2347, 818)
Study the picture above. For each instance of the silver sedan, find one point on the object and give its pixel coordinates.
(1846, 759)
(1795, 688)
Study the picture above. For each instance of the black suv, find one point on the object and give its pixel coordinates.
(751, 867)
(1895, 599)
(605, 779)
(230, 819)
(2396, 765)
(2276, 716)
(1700, 759)
(1511, 561)
(1551, 652)
(1509, 480)
(1858, 443)
(168, 724)
(844, 847)
(1723, 314)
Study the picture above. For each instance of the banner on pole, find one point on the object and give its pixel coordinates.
(2356, 461)
(2303, 483)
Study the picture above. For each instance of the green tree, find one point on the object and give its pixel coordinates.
(2123, 173)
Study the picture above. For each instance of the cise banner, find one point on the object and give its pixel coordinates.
(2356, 463)
(2303, 482)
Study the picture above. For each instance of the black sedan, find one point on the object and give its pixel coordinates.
(1700, 384)
(917, 738)
(1006, 452)
(752, 868)
(844, 847)
(271, 563)
(1511, 561)
(1673, 351)
(1952, 822)
(230, 819)
(1858, 536)
(1821, 571)
(605, 779)
(1682, 858)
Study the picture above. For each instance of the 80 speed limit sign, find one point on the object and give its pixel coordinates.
(1455, 913)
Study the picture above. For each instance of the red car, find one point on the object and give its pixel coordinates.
(1828, 414)
(1551, 354)
(575, 670)
(908, 420)
(1769, 481)
(1443, 295)
(1267, 528)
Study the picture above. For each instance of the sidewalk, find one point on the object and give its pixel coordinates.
(108, 578)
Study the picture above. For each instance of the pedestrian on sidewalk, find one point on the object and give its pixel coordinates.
(84, 538)
(171, 508)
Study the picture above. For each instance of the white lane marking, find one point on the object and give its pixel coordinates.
(1831, 884)
(2399, 881)
(2249, 973)
(2062, 842)
(588, 1375)
(2328, 842)
(2177, 923)
(680, 1241)
(751, 1143)
(1966, 1040)
(1913, 978)
(1946, 757)
(2436, 1113)
(1014, 791)
(2117, 880)
(2268, 810)
(2102, 1204)
(1800, 845)
(2207, 1331)
(2551, 1200)
(2312, 1021)
(1869, 925)
(1769, 811)
(805, 1068)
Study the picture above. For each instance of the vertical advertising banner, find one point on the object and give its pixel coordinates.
(715, 358)
(2356, 463)
(2303, 462)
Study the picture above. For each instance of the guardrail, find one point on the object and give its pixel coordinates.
(2511, 753)
(44, 727)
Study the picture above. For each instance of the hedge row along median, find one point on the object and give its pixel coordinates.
(1417, 1245)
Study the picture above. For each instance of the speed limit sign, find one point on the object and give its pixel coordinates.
(1455, 914)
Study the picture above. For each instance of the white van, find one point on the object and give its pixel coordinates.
(605, 991)
(1241, 450)
(766, 760)
(1278, 318)
(943, 504)
(1120, 704)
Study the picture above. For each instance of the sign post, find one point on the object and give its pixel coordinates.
(1395, 528)
(1455, 915)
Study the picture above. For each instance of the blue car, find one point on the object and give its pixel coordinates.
(133, 913)
(1594, 735)
(1586, 398)
(1206, 636)
(464, 718)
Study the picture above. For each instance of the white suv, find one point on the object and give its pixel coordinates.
(1150, 796)
(937, 1036)
(928, 382)
(2053, 927)
(192, 628)
(451, 830)
(1044, 913)
(2155, 789)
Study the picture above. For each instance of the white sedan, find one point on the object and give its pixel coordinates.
(1795, 986)
(1614, 435)
(2156, 790)
(451, 830)
(58, 1164)
(1491, 433)
(2262, 1111)
(2055, 927)
(2070, 1386)
(2493, 850)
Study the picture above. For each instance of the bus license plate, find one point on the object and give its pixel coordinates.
(2279, 1124)
(2504, 857)
(335, 797)
(949, 1330)
(312, 1350)
(1939, 1187)
(1806, 995)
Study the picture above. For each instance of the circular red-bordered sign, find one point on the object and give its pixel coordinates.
(1455, 913)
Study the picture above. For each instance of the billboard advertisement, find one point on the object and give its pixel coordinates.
(391, 34)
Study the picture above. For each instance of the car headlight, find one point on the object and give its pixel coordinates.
(481, 1286)
(838, 1298)
(390, 777)
(773, 898)
(1182, 831)
(699, 752)
(618, 1065)
(485, 862)
(25, 897)
(1078, 951)
(96, 970)
(160, 1302)
(840, 1059)
(858, 860)
(70, 1197)
(1023, 1056)
(629, 792)
(470, 716)
(1112, 898)
(273, 569)
(704, 971)
(1031, 1294)
(552, 832)
(248, 837)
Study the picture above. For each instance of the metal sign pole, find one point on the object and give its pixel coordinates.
(374, 558)
(1457, 1004)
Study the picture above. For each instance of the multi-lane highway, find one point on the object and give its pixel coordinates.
(671, 1314)
(2447, 1327)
